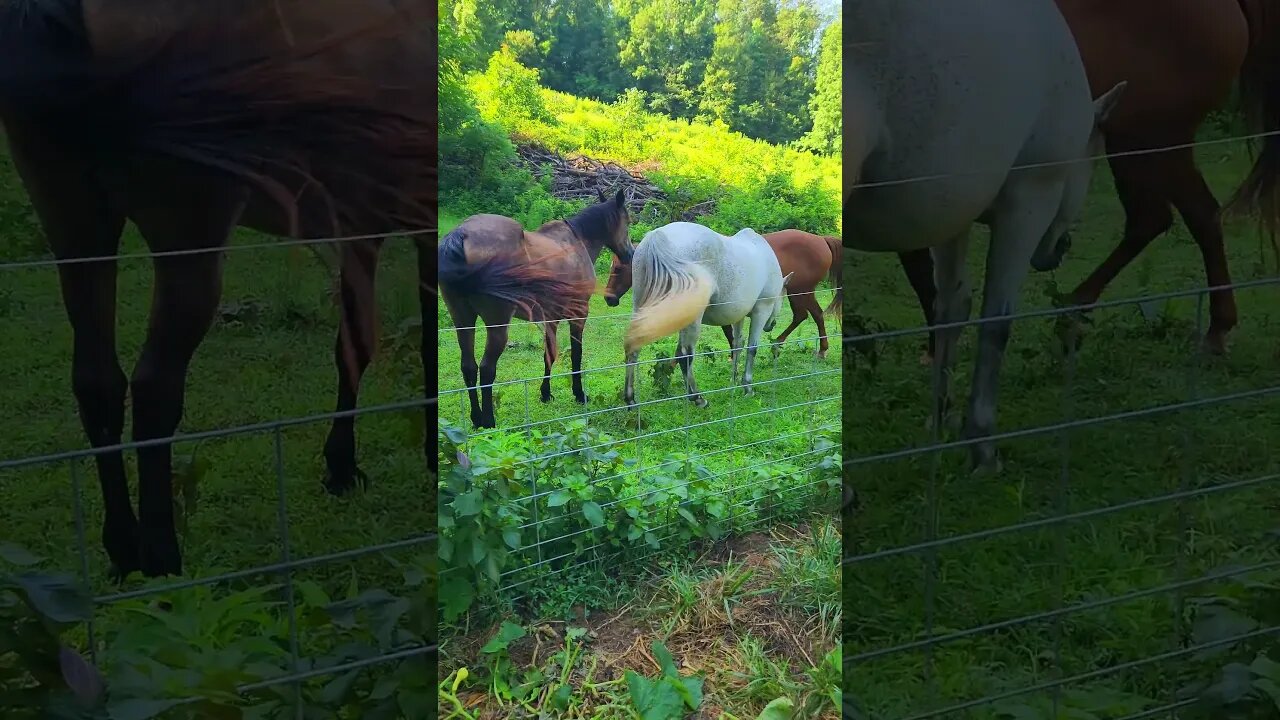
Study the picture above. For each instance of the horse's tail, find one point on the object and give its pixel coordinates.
(1259, 99)
(672, 294)
(540, 292)
(834, 274)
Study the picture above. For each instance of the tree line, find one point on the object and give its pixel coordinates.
(769, 69)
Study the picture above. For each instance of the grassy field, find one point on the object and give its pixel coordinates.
(1131, 359)
(268, 357)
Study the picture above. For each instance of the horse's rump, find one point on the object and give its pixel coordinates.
(669, 291)
(536, 290)
(321, 110)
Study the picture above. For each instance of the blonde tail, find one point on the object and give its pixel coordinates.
(688, 288)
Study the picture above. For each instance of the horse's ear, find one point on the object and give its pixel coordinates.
(1106, 104)
(787, 277)
(620, 199)
(600, 194)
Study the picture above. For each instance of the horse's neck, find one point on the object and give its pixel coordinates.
(573, 231)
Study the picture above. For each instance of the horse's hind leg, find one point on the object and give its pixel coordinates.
(549, 355)
(953, 303)
(497, 325)
(187, 289)
(918, 266)
(758, 315)
(353, 350)
(1016, 228)
(576, 327)
(1199, 208)
(684, 353)
(80, 223)
(425, 275)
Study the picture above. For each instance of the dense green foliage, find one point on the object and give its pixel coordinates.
(749, 63)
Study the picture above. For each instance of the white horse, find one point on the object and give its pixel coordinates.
(960, 92)
(685, 275)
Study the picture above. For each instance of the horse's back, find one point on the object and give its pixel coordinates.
(1180, 58)
(958, 87)
(805, 254)
(485, 236)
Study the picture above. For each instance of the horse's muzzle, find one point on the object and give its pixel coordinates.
(625, 256)
(611, 300)
(1055, 259)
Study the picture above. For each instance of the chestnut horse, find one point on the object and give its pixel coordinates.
(492, 268)
(1180, 58)
(299, 118)
(804, 257)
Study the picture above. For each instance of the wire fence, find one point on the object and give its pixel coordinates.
(958, 653)
(662, 432)
(301, 666)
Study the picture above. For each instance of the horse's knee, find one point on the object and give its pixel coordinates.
(469, 370)
(100, 391)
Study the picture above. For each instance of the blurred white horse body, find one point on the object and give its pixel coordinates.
(685, 275)
(944, 100)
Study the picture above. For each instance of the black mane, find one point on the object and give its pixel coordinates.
(596, 221)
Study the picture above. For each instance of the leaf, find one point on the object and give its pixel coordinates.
(654, 701)
(1270, 688)
(1265, 667)
(777, 709)
(511, 538)
(456, 595)
(17, 555)
(55, 595)
(139, 709)
(593, 513)
(80, 676)
(1235, 685)
(508, 633)
(1215, 623)
(337, 690)
(688, 516)
(560, 698)
(468, 503)
(558, 498)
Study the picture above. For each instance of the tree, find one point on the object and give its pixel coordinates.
(664, 49)
(825, 105)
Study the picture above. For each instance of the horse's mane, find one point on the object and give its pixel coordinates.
(595, 220)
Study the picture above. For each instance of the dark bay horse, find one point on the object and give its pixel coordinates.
(806, 258)
(492, 268)
(1181, 58)
(298, 118)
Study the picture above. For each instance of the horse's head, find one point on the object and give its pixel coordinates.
(1057, 239)
(619, 282)
(619, 240)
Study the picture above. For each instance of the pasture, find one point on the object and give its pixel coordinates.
(740, 463)
(1130, 646)
(268, 357)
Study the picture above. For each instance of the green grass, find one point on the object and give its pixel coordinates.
(271, 359)
(1127, 363)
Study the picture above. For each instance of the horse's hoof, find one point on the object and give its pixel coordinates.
(547, 397)
(985, 460)
(748, 391)
(477, 421)
(700, 401)
(580, 399)
(118, 574)
(161, 559)
(339, 482)
(822, 354)
(926, 358)
(1215, 343)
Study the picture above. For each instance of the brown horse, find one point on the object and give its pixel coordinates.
(299, 118)
(494, 269)
(1180, 58)
(805, 260)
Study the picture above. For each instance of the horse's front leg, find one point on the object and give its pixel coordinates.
(684, 353)
(427, 275)
(550, 352)
(629, 387)
(576, 326)
(758, 315)
(353, 351)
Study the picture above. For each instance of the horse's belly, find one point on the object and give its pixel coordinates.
(725, 314)
(900, 219)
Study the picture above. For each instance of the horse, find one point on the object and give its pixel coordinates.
(959, 94)
(1164, 107)
(687, 275)
(492, 268)
(805, 257)
(297, 118)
